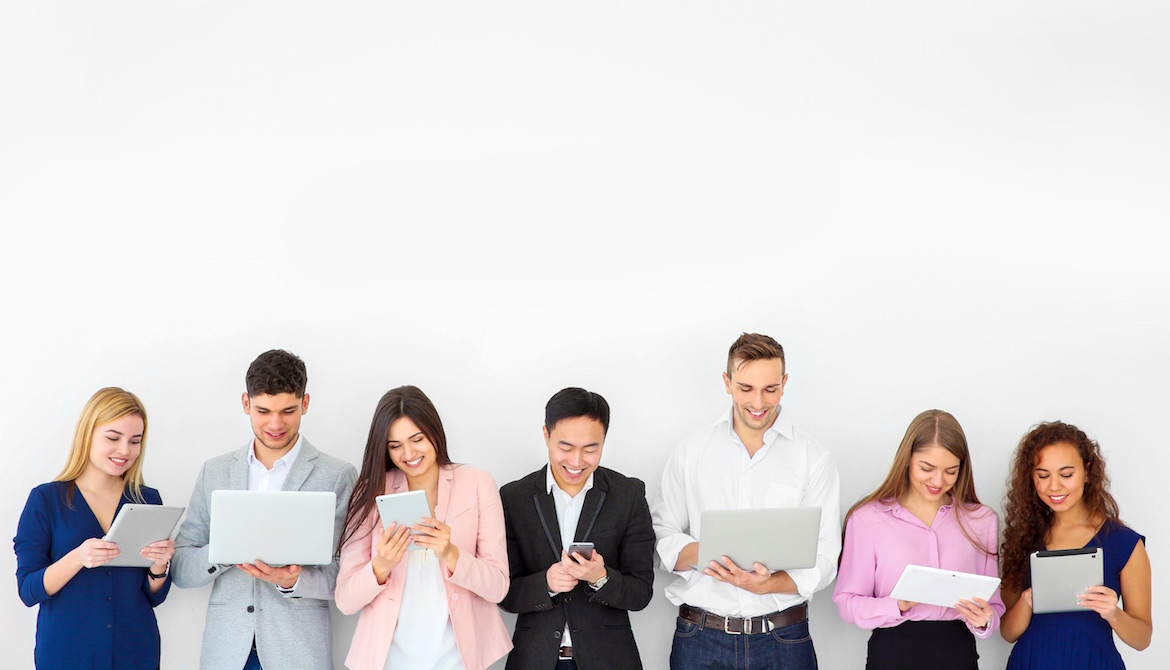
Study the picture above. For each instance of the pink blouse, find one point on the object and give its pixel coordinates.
(881, 539)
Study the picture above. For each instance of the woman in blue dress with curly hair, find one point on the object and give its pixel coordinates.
(1058, 498)
(92, 616)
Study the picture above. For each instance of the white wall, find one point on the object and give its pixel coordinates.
(954, 205)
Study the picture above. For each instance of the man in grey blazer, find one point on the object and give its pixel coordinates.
(259, 615)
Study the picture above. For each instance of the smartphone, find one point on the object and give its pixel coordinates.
(583, 548)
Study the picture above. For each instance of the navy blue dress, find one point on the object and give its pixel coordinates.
(103, 619)
(1073, 640)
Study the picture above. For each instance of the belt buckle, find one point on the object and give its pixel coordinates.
(726, 621)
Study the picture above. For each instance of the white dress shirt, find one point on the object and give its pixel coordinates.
(711, 469)
(260, 478)
(568, 515)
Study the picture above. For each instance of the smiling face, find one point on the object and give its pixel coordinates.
(116, 445)
(411, 450)
(1059, 477)
(933, 471)
(756, 388)
(574, 451)
(276, 420)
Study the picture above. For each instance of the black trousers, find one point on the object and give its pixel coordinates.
(922, 644)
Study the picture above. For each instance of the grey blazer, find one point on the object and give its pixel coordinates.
(291, 630)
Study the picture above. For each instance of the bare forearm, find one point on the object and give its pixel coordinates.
(1015, 621)
(687, 557)
(1133, 631)
(780, 582)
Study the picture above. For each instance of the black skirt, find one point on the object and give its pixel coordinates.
(922, 644)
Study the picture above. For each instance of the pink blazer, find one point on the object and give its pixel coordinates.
(469, 502)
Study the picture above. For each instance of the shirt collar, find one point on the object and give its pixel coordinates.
(550, 483)
(288, 459)
(895, 508)
(782, 426)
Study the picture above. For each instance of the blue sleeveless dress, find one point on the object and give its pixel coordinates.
(1075, 640)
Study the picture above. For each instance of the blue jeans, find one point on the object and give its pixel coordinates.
(698, 648)
(253, 662)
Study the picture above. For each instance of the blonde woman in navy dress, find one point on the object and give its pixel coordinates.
(93, 617)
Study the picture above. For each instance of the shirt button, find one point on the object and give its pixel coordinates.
(109, 625)
(557, 634)
(108, 598)
(454, 596)
(251, 609)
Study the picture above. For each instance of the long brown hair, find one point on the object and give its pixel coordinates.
(107, 405)
(1027, 519)
(930, 428)
(405, 401)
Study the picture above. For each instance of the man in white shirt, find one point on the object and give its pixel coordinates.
(745, 617)
(260, 614)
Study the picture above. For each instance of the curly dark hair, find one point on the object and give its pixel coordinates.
(276, 371)
(1027, 519)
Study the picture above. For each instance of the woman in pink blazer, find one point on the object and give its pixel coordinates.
(435, 607)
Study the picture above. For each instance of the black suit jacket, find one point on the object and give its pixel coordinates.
(616, 519)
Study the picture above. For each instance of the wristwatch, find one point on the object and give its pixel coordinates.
(599, 583)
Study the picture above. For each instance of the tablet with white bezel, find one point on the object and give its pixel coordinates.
(277, 527)
(407, 508)
(780, 538)
(1058, 576)
(944, 588)
(138, 525)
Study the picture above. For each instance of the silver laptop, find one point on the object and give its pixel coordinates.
(783, 538)
(1058, 576)
(277, 527)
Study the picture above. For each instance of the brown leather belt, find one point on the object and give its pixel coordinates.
(566, 653)
(744, 625)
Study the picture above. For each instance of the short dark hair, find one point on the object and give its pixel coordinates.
(753, 347)
(573, 402)
(277, 371)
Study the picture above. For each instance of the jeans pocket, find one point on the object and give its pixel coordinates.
(684, 628)
(797, 633)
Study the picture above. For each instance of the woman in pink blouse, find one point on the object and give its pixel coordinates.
(433, 608)
(925, 513)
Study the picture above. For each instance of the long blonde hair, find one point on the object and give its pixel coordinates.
(105, 406)
(930, 428)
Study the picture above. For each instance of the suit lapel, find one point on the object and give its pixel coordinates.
(594, 499)
(546, 512)
(238, 474)
(301, 467)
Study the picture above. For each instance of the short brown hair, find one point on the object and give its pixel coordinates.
(753, 347)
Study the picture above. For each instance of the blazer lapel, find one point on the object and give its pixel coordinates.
(238, 474)
(546, 512)
(302, 467)
(443, 503)
(594, 499)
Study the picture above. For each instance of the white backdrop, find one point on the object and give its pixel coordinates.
(953, 205)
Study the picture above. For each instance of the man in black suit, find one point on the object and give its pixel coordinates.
(573, 608)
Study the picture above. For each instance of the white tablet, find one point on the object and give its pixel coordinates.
(934, 586)
(404, 508)
(277, 527)
(136, 526)
(783, 538)
(1058, 576)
